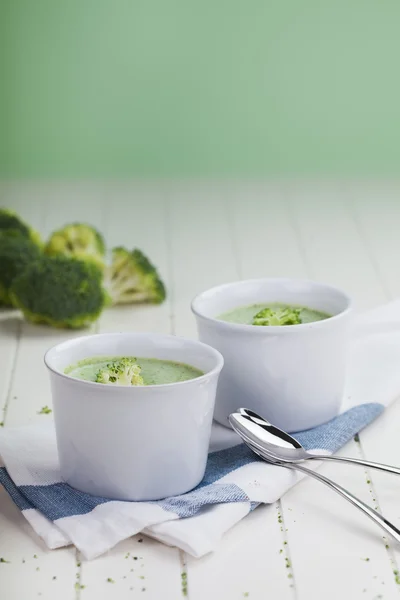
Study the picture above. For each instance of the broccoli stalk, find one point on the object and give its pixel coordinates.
(121, 372)
(280, 316)
(77, 240)
(131, 278)
(59, 291)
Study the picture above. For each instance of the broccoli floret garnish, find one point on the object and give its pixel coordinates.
(9, 220)
(77, 240)
(280, 316)
(17, 252)
(132, 278)
(121, 372)
(60, 291)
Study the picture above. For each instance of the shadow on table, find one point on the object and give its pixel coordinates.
(12, 325)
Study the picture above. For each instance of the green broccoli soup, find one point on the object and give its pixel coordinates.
(117, 370)
(272, 314)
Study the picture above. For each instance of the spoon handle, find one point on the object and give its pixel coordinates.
(357, 461)
(370, 512)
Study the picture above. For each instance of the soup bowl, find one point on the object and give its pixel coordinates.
(292, 375)
(133, 442)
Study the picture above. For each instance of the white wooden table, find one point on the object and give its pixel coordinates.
(199, 235)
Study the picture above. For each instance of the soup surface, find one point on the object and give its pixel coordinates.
(244, 315)
(153, 370)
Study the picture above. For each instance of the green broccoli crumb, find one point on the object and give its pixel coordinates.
(3, 560)
(184, 583)
(78, 564)
(245, 594)
(368, 481)
(78, 586)
(279, 316)
(366, 559)
(110, 580)
(1, 423)
(120, 372)
(37, 568)
(127, 555)
(356, 438)
(45, 410)
(35, 556)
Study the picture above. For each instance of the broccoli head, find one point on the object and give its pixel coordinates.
(131, 278)
(77, 240)
(59, 291)
(280, 316)
(17, 252)
(121, 372)
(9, 220)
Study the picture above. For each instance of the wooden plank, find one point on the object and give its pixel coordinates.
(201, 247)
(32, 570)
(332, 248)
(26, 576)
(250, 561)
(376, 213)
(136, 218)
(335, 536)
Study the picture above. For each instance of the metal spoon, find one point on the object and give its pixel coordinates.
(283, 447)
(258, 448)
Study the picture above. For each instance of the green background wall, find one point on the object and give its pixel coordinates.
(214, 87)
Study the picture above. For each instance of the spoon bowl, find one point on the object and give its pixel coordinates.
(278, 446)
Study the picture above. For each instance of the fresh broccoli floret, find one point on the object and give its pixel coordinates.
(280, 316)
(60, 291)
(16, 254)
(77, 240)
(131, 278)
(9, 220)
(121, 372)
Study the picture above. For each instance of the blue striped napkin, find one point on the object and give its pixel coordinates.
(235, 482)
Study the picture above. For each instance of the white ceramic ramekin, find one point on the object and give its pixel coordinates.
(292, 375)
(138, 442)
